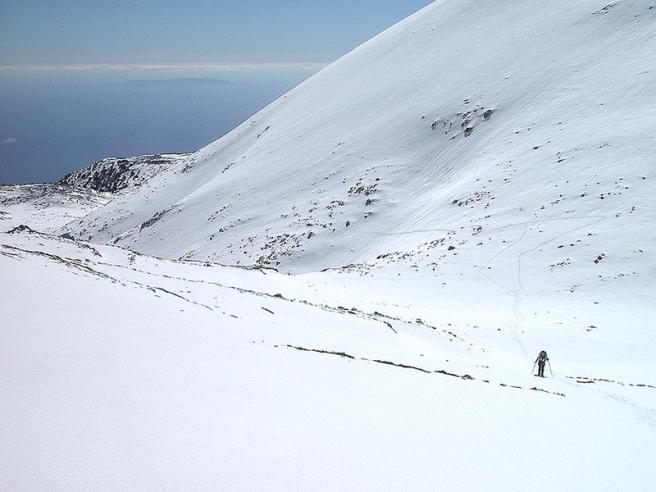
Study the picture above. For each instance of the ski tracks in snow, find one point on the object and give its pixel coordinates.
(515, 293)
(518, 292)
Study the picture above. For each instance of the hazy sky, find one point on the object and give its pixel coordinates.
(151, 31)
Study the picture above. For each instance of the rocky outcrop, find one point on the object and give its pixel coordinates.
(115, 174)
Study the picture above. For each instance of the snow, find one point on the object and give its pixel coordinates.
(570, 123)
(45, 207)
(348, 291)
(112, 383)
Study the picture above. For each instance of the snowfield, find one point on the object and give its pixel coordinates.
(349, 290)
(126, 372)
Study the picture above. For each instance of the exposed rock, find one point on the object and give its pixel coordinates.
(116, 174)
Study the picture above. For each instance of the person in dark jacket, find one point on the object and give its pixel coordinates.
(541, 361)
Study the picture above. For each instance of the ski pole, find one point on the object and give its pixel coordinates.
(550, 368)
(533, 371)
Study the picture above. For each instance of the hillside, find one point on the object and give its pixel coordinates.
(122, 371)
(502, 169)
(451, 122)
(349, 290)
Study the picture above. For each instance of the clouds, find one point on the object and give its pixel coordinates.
(163, 66)
(9, 141)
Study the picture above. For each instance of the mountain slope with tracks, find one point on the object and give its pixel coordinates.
(348, 291)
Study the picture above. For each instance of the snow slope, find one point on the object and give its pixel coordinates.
(46, 207)
(464, 190)
(535, 220)
(125, 372)
(536, 223)
(556, 98)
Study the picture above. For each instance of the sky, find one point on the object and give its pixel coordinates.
(76, 76)
(199, 31)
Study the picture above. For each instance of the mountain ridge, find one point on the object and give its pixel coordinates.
(351, 144)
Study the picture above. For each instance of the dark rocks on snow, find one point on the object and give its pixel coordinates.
(115, 174)
(21, 228)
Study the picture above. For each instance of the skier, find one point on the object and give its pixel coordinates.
(541, 361)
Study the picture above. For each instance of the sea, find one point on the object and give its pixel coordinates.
(53, 122)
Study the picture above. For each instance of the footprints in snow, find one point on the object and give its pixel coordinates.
(464, 377)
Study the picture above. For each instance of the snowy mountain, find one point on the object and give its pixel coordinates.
(52, 206)
(348, 291)
(492, 168)
(444, 123)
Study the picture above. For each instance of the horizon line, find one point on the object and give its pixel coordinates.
(229, 66)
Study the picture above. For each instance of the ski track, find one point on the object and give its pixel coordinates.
(518, 293)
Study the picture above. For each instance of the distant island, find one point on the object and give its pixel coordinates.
(183, 82)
